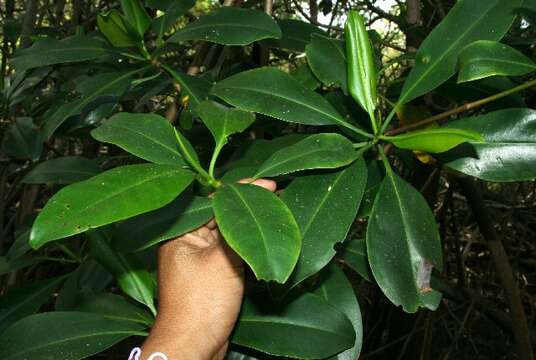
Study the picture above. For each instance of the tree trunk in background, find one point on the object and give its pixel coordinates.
(77, 13)
(10, 6)
(313, 11)
(414, 20)
(28, 23)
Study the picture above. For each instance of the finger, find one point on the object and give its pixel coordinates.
(265, 183)
(212, 224)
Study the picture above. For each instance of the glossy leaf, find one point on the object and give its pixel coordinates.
(490, 58)
(111, 85)
(324, 206)
(50, 51)
(223, 121)
(130, 273)
(114, 307)
(184, 214)
(23, 301)
(338, 292)
(434, 140)
(327, 58)
(403, 245)
(62, 170)
(509, 150)
(63, 335)
(307, 328)
(112, 26)
(148, 136)
(230, 26)
(295, 35)
(22, 140)
(136, 16)
(260, 228)
(361, 68)
(303, 74)
(319, 151)
(467, 21)
(114, 195)
(272, 92)
(354, 254)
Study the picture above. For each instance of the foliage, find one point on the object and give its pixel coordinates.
(144, 172)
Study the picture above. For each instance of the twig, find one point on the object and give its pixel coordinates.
(463, 108)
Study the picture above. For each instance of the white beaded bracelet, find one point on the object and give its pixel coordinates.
(136, 353)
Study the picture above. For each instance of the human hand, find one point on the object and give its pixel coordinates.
(200, 284)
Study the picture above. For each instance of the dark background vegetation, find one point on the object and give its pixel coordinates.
(487, 228)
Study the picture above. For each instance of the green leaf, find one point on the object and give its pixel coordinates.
(490, 58)
(338, 292)
(260, 228)
(319, 151)
(327, 58)
(362, 76)
(114, 195)
(354, 254)
(50, 51)
(434, 140)
(23, 301)
(223, 121)
(63, 170)
(148, 136)
(307, 328)
(184, 214)
(114, 307)
(403, 245)
(509, 150)
(467, 21)
(303, 74)
(230, 26)
(195, 88)
(131, 276)
(173, 10)
(63, 335)
(324, 206)
(95, 87)
(136, 16)
(112, 26)
(295, 35)
(22, 140)
(375, 177)
(272, 92)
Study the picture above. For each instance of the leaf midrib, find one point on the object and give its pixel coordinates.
(291, 100)
(272, 321)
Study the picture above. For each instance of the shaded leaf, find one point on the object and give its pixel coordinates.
(307, 328)
(112, 26)
(223, 121)
(114, 307)
(354, 254)
(230, 26)
(130, 273)
(327, 59)
(136, 16)
(184, 214)
(260, 228)
(50, 51)
(22, 140)
(62, 170)
(338, 292)
(114, 195)
(63, 335)
(295, 35)
(173, 10)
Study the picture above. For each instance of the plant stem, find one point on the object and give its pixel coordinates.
(214, 158)
(462, 108)
(385, 160)
(360, 144)
(69, 253)
(356, 130)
